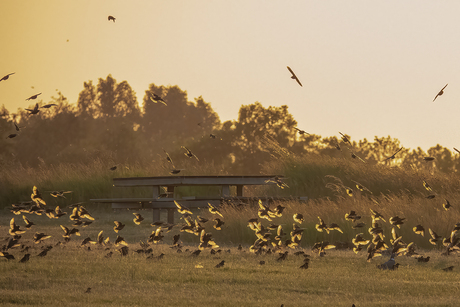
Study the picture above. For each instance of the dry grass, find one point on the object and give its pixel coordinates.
(339, 279)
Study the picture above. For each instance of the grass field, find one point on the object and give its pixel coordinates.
(341, 278)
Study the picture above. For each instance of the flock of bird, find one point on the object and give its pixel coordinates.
(268, 238)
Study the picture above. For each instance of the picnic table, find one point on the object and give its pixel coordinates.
(165, 201)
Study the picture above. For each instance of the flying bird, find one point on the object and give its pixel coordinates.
(12, 135)
(157, 98)
(7, 76)
(35, 110)
(111, 18)
(33, 97)
(189, 153)
(294, 76)
(440, 92)
(49, 105)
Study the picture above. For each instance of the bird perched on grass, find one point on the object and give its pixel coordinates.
(440, 92)
(293, 76)
(6, 77)
(389, 265)
(111, 18)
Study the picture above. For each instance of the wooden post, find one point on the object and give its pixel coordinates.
(225, 190)
(239, 190)
(171, 215)
(156, 212)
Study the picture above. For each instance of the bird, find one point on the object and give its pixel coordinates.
(321, 225)
(428, 159)
(111, 18)
(25, 258)
(389, 265)
(40, 236)
(440, 92)
(446, 205)
(33, 111)
(118, 226)
(214, 210)
(434, 237)
(28, 222)
(12, 135)
(220, 264)
(301, 132)
(17, 127)
(7, 255)
(88, 290)
(157, 98)
(49, 105)
(393, 156)
(6, 77)
(352, 216)
(181, 209)
(34, 97)
(15, 229)
(448, 269)
(219, 223)
(419, 230)
(189, 153)
(59, 193)
(176, 171)
(293, 76)
(137, 218)
(113, 168)
(298, 218)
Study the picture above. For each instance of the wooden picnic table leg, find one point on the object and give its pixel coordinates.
(171, 215)
(239, 190)
(156, 212)
(225, 190)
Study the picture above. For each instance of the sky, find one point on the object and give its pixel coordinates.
(368, 68)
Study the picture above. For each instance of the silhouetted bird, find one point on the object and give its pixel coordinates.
(111, 18)
(25, 258)
(35, 110)
(393, 156)
(449, 269)
(113, 168)
(220, 264)
(293, 76)
(34, 97)
(7, 255)
(389, 265)
(189, 153)
(440, 92)
(301, 132)
(7, 76)
(157, 98)
(12, 135)
(49, 105)
(88, 290)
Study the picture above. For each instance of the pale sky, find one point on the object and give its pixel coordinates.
(368, 68)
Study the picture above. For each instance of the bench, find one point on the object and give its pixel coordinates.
(158, 202)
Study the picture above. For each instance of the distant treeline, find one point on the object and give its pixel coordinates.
(107, 122)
